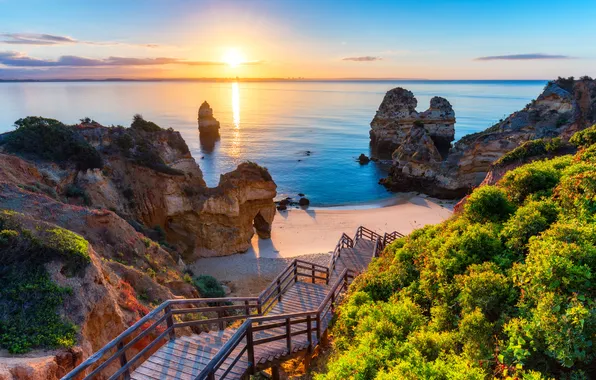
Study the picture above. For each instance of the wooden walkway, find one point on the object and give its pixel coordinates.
(290, 318)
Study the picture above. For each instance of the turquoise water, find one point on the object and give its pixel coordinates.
(272, 123)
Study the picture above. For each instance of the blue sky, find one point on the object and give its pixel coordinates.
(287, 38)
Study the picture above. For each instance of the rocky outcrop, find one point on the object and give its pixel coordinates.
(563, 108)
(208, 125)
(150, 179)
(397, 116)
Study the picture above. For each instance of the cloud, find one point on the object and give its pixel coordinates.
(15, 59)
(50, 39)
(522, 57)
(362, 59)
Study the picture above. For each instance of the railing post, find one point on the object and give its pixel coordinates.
(220, 323)
(259, 307)
(211, 375)
(170, 321)
(318, 327)
(333, 301)
(296, 273)
(250, 350)
(313, 273)
(123, 361)
(278, 291)
(327, 276)
(289, 335)
(309, 332)
(246, 308)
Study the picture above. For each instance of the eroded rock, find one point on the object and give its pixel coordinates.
(208, 125)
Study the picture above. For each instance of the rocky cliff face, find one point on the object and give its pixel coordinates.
(564, 107)
(150, 179)
(397, 117)
(149, 184)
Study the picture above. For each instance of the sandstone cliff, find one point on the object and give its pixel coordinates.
(150, 179)
(115, 188)
(564, 107)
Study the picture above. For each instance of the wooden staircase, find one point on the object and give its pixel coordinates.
(203, 338)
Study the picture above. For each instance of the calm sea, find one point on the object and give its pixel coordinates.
(275, 124)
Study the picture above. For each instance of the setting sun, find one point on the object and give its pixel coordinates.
(233, 58)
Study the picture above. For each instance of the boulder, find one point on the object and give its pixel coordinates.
(363, 159)
(303, 202)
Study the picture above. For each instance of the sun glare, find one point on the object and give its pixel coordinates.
(233, 58)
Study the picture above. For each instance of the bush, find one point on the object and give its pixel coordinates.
(49, 139)
(208, 286)
(74, 191)
(584, 138)
(537, 179)
(529, 220)
(29, 300)
(488, 204)
(577, 193)
(529, 149)
(141, 124)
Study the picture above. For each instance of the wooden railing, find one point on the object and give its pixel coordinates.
(246, 332)
(381, 242)
(199, 314)
(344, 242)
(202, 314)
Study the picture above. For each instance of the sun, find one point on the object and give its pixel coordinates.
(233, 58)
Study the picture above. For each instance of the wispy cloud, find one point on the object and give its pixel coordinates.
(50, 39)
(367, 58)
(15, 59)
(522, 57)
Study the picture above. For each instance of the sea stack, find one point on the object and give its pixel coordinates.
(208, 125)
(397, 117)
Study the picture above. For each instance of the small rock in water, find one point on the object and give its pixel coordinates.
(303, 202)
(300, 194)
(281, 207)
(363, 159)
(284, 202)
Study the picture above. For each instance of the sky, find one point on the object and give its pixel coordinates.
(424, 39)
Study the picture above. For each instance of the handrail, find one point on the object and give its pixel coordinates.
(246, 328)
(259, 304)
(251, 308)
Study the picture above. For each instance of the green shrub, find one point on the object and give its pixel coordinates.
(530, 149)
(529, 220)
(208, 286)
(141, 124)
(577, 193)
(49, 139)
(74, 191)
(29, 300)
(488, 204)
(584, 138)
(537, 179)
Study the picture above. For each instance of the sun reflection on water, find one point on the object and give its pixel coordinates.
(235, 149)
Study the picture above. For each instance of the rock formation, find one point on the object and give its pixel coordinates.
(151, 180)
(397, 116)
(208, 125)
(564, 107)
(148, 186)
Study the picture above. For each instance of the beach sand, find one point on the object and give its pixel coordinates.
(312, 233)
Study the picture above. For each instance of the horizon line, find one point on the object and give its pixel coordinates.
(238, 79)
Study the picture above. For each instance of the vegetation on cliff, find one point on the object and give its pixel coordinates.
(504, 289)
(29, 299)
(51, 140)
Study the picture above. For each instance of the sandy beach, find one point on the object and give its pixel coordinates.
(312, 233)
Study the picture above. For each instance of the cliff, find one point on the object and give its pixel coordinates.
(564, 107)
(146, 175)
(95, 226)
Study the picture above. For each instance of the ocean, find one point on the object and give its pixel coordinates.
(307, 133)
